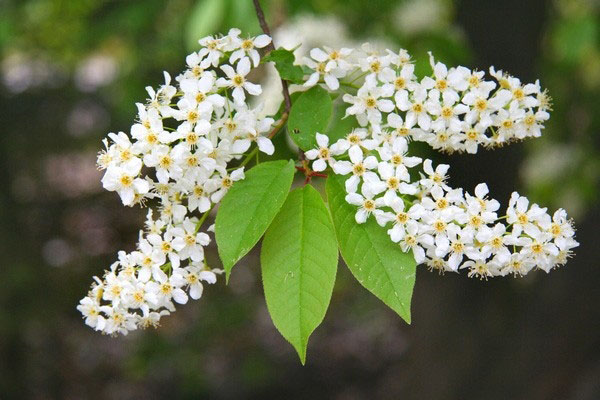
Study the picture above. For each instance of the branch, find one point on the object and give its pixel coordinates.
(265, 27)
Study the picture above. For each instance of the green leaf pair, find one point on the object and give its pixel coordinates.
(299, 254)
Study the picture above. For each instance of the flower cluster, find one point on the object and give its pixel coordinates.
(177, 153)
(189, 144)
(455, 109)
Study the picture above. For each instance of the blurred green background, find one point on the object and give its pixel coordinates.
(71, 71)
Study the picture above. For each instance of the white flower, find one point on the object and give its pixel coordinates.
(236, 79)
(167, 246)
(248, 47)
(562, 230)
(189, 242)
(369, 102)
(168, 289)
(193, 62)
(439, 83)
(197, 92)
(480, 268)
(118, 320)
(378, 66)
(322, 154)
(400, 216)
(394, 179)
(506, 121)
(494, 242)
(482, 107)
(149, 318)
(522, 217)
(518, 265)
(355, 139)
(437, 223)
(531, 124)
(124, 181)
(150, 123)
(221, 184)
(199, 198)
(163, 95)
(136, 296)
(367, 205)
(479, 209)
(416, 241)
(434, 177)
(461, 242)
(473, 136)
(162, 159)
(539, 248)
(90, 309)
(150, 260)
(401, 128)
(415, 107)
(447, 112)
(358, 166)
(324, 67)
(211, 52)
(405, 80)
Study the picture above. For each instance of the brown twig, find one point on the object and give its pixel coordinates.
(265, 27)
(277, 127)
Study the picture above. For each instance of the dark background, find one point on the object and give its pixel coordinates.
(71, 72)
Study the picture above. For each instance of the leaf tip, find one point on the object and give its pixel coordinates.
(227, 273)
(301, 350)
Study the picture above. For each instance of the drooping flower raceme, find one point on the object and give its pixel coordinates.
(453, 110)
(178, 154)
(183, 154)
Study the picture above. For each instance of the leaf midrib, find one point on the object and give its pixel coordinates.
(368, 236)
(253, 215)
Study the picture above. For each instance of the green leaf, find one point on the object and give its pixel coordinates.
(310, 114)
(282, 149)
(299, 261)
(340, 126)
(205, 19)
(249, 207)
(293, 97)
(376, 262)
(284, 63)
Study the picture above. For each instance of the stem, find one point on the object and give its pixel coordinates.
(409, 202)
(203, 218)
(265, 27)
(248, 157)
(358, 77)
(349, 84)
(279, 124)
